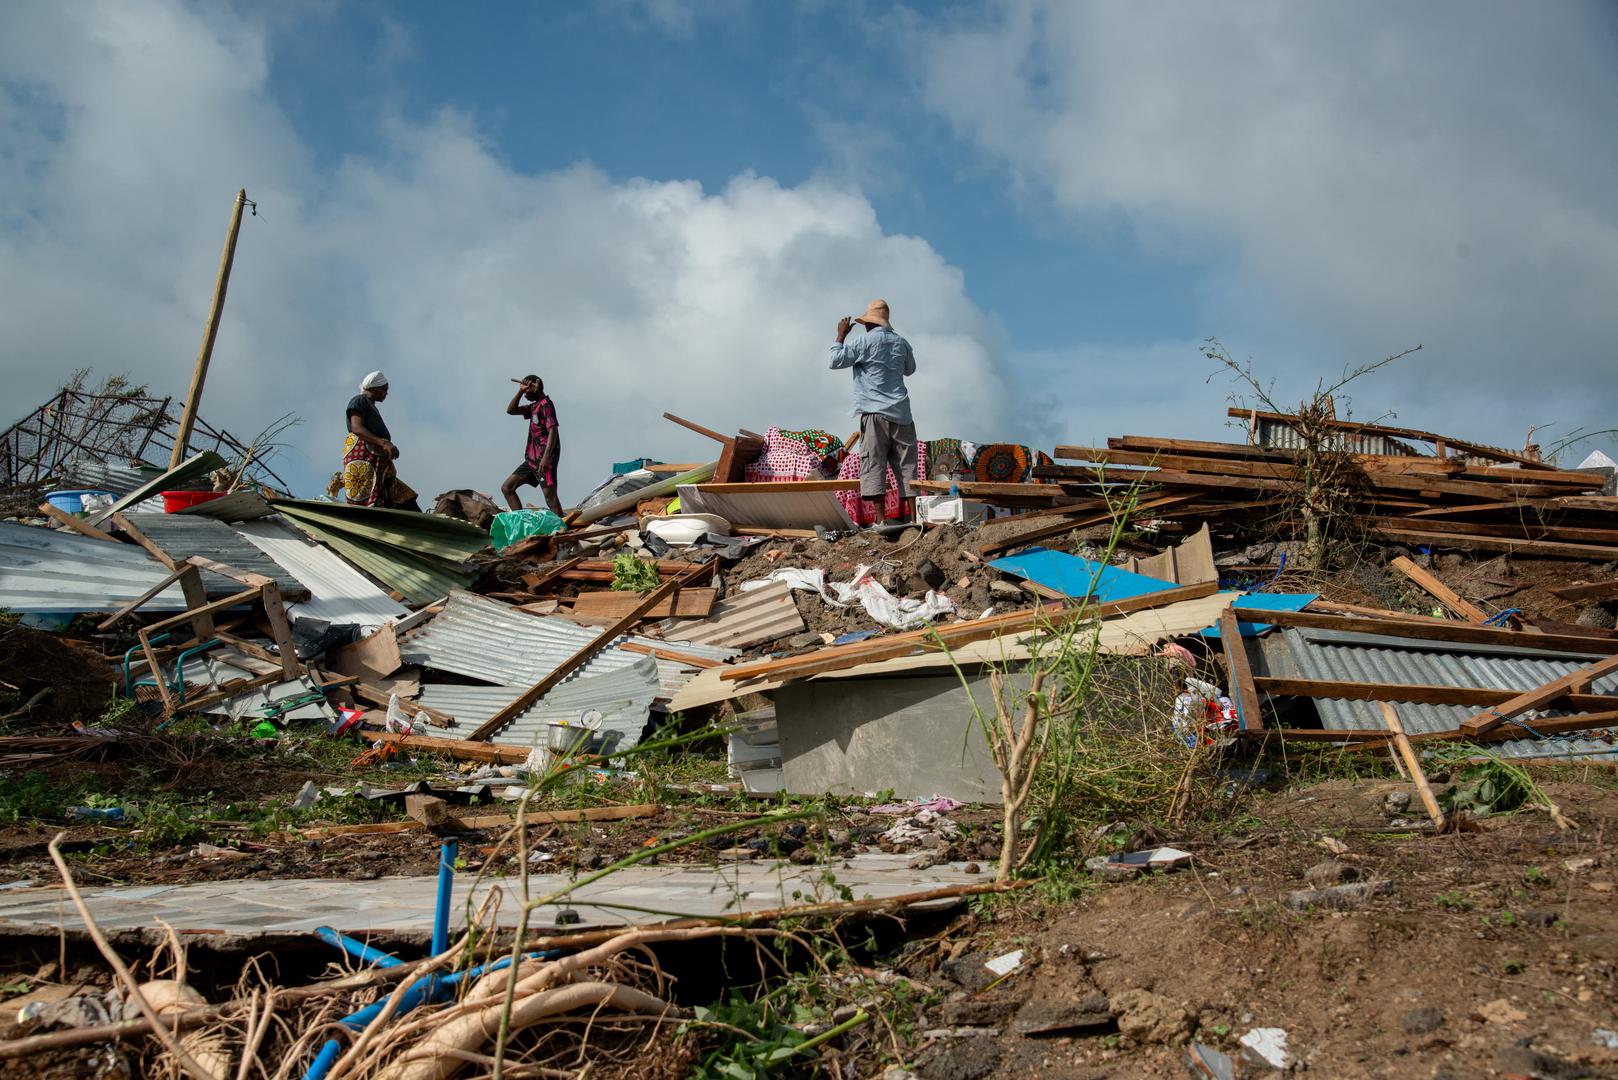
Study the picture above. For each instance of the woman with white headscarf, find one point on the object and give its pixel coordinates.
(369, 477)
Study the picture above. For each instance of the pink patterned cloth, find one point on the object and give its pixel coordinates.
(788, 456)
(857, 508)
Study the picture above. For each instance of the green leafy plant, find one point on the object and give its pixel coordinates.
(631, 574)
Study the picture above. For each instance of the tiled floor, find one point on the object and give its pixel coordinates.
(638, 894)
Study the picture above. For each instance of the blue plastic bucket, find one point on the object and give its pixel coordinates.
(71, 501)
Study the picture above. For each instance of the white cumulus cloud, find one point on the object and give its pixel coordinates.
(130, 128)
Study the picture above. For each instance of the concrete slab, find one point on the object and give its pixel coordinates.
(916, 736)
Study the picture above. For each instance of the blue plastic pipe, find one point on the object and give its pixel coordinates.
(324, 1060)
(357, 949)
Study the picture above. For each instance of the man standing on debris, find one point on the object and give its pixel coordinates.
(544, 447)
(880, 359)
(369, 477)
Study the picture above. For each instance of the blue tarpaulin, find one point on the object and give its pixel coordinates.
(1264, 602)
(1072, 576)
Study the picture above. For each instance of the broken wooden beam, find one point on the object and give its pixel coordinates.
(1240, 670)
(1439, 591)
(1537, 698)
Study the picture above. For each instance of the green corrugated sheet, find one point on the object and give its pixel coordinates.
(427, 534)
(193, 468)
(420, 579)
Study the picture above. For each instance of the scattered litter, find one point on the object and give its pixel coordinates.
(1268, 1046)
(1005, 963)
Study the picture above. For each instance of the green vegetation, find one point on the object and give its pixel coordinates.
(630, 574)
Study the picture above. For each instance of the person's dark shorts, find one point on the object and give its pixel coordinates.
(526, 474)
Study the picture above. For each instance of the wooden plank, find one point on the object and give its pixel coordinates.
(691, 603)
(1539, 697)
(133, 532)
(839, 657)
(674, 469)
(739, 453)
(1412, 434)
(672, 655)
(777, 534)
(1062, 528)
(196, 597)
(83, 528)
(1521, 530)
(1240, 670)
(538, 581)
(1596, 590)
(1202, 448)
(1496, 543)
(692, 425)
(1416, 694)
(1336, 607)
(1160, 477)
(280, 630)
(580, 658)
(365, 691)
(224, 693)
(1466, 633)
(1441, 592)
(1390, 716)
(231, 572)
(197, 613)
(129, 608)
(460, 749)
(777, 488)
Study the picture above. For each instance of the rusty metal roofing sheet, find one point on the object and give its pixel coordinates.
(181, 537)
(1331, 654)
(623, 698)
(770, 509)
(749, 618)
(45, 570)
(338, 592)
(485, 639)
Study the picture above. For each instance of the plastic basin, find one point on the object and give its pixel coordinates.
(175, 501)
(71, 501)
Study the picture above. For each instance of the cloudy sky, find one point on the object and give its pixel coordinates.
(667, 204)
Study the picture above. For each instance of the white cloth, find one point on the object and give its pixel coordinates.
(373, 380)
(881, 605)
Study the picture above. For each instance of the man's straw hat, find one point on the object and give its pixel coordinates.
(875, 315)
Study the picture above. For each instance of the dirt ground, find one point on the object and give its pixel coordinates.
(1491, 953)
(76, 680)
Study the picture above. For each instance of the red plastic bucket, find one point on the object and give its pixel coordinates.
(175, 501)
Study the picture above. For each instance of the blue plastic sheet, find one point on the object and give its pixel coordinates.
(1264, 602)
(1072, 576)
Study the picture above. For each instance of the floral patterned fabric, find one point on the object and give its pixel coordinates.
(1003, 463)
(793, 455)
(892, 506)
(369, 477)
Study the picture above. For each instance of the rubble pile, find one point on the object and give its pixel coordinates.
(741, 598)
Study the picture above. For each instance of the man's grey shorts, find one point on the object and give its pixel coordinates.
(885, 442)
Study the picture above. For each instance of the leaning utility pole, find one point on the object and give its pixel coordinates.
(188, 418)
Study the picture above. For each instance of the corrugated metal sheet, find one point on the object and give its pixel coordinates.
(237, 506)
(485, 639)
(1285, 436)
(623, 698)
(338, 592)
(426, 534)
(1128, 635)
(187, 472)
(420, 579)
(181, 537)
(210, 671)
(44, 570)
(769, 509)
(749, 618)
(1330, 654)
(100, 476)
